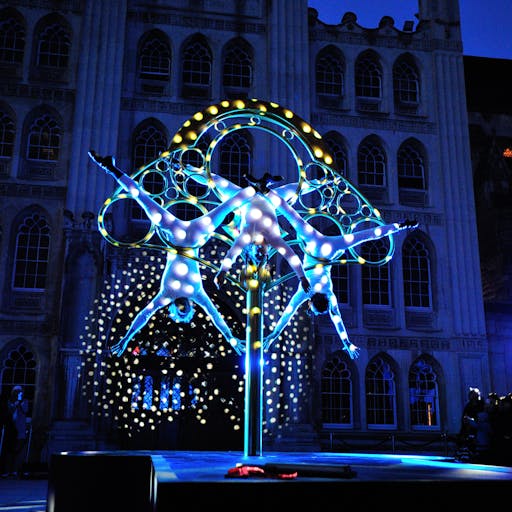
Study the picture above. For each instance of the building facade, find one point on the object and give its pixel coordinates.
(121, 78)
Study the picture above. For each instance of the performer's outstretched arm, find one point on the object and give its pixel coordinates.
(154, 210)
(335, 314)
(225, 188)
(365, 235)
(302, 227)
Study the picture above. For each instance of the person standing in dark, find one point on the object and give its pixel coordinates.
(16, 439)
(6, 433)
(467, 434)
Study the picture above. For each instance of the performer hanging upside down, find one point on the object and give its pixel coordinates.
(181, 283)
(257, 226)
(319, 252)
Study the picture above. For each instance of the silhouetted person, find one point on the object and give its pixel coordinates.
(467, 432)
(16, 440)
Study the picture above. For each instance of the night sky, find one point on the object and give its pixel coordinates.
(485, 25)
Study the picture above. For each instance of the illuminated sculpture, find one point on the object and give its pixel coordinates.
(256, 225)
(320, 251)
(181, 280)
(317, 190)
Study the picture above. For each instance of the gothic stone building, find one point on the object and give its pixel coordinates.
(121, 77)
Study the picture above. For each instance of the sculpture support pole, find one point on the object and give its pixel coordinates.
(254, 370)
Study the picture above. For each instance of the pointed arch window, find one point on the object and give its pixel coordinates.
(368, 83)
(155, 60)
(31, 253)
(423, 396)
(12, 39)
(375, 278)
(329, 78)
(406, 85)
(19, 368)
(196, 70)
(368, 78)
(380, 394)
(411, 167)
(336, 392)
(340, 282)
(53, 46)
(371, 165)
(237, 70)
(148, 143)
(338, 153)
(44, 139)
(416, 265)
(236, 157)
(7, 134)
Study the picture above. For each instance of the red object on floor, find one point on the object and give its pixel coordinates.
(244, 471)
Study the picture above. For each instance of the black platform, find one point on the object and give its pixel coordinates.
(149, 481)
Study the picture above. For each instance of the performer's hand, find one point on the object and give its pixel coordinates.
(118, 348)
(352, 350)
(262, 185)
(107, 163)
(238, 345)
(408, 224)
(267, 341)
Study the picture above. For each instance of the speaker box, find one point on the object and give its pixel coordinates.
(88, 481)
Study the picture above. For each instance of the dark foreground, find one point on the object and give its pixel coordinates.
(149, 481)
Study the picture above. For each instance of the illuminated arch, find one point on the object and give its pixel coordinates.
(333, 197)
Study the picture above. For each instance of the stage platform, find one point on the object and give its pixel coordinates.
(157, 481)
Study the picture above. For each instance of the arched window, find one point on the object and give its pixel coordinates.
(338, 151)
(416, 273)
(12, 37)
(31, 253)
(375, 278)
(380, 394)
(406, 85)
(411, 167)
(44, 139)
(7, 134)
(329, 78)
(155, 58)
(18, 368)
(336, 391)
(154, 64)
(237, 72)
(371, 164)
(368, 82)
(149, 141)
(235, 157)
(423, 395)
(196, 69)
(339, 278)
(53, 46)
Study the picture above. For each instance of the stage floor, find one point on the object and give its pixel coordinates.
(213, 466)
(155, 481)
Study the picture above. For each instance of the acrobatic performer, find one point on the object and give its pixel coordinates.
(181, 283)
(257, 225)
(320, 251)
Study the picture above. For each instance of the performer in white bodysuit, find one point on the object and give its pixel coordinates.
(181, 283)
(319, 252)
(257, 225)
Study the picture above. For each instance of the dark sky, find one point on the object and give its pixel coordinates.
(486, 24)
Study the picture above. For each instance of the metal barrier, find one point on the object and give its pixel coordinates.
(394, 441)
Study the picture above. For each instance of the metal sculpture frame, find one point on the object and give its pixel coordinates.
(330, 196)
